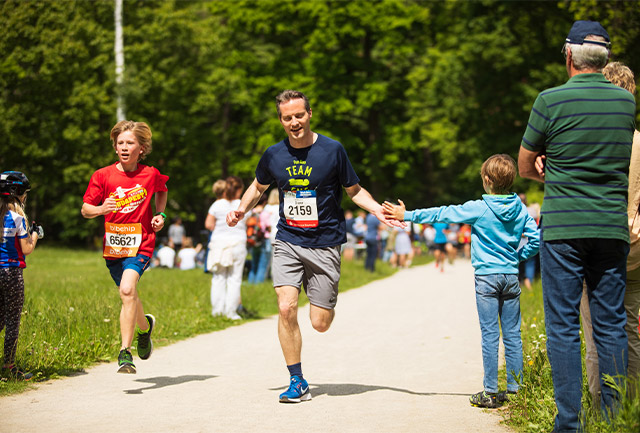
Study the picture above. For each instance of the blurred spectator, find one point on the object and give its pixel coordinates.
(371, 240)
(256, 242)
(429, 234)
(464, 240)
(389, 254)
(359, 228)
(403, 248)
(452, 242)
(272, 213)
(440, 244)
(227, 250)
(528, 267)
(187, 255)
(177, 233)
(348, 249)
(166, 255)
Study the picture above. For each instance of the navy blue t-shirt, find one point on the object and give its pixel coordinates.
(321, 169)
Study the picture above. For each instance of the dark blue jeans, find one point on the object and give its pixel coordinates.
(564, 265)
(372, 255)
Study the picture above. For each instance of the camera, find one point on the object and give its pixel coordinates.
(35, 228)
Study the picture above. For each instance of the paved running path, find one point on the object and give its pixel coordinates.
(402, 355)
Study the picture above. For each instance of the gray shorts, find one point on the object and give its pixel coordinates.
(318, 269)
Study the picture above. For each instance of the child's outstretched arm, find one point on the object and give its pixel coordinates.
(395, 211)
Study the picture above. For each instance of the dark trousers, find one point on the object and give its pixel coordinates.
(372, 255)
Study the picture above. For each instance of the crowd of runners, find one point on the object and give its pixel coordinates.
(578, 141)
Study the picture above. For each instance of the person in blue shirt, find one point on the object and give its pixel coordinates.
(497, 221)
(371, 239)
(310, 171)
(17, 240)
(440, 244)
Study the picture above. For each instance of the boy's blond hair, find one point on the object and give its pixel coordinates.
(498, 173)
(620, 75)
(219, 186)
(140, 129)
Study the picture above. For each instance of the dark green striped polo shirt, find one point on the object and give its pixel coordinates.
(585, 127)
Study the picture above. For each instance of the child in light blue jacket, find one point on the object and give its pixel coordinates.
(498, 222)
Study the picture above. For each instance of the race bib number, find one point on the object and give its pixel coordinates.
(301, 209)
(122, 240)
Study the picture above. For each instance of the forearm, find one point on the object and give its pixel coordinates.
(251, 196)
(161, 201)
(532, 233)
(527, 164)
(363, 199)
(28, 244)
(90, 211)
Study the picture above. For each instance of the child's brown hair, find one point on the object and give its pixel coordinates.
(140, 129)
(498, 173)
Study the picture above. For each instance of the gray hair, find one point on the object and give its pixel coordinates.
(589, 56)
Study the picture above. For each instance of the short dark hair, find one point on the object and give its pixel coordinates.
(288, 95)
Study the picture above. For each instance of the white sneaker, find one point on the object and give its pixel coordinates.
(234, 316)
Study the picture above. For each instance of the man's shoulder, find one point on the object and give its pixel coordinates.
(325, 141)
(276, 147)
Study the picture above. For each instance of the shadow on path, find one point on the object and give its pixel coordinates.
(342, 389)
(164, 381)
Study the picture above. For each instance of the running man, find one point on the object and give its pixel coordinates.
(122, 193)
(310, 170)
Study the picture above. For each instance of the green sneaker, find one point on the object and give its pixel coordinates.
(145, 345)
(484, 399)
(125, 362)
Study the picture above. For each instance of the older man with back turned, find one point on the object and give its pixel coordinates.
(584, 128)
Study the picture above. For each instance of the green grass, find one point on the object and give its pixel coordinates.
(534, 410)
(70, 318)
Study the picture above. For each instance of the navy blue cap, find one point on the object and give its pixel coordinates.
(581, 29)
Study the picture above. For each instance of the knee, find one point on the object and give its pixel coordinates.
(322, 323)
(127, 293)
(287, 310)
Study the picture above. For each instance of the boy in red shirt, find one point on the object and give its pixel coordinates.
(122, 193)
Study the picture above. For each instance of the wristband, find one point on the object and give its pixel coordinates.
(164, 216)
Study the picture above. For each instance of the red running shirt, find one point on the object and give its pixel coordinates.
(133, 192)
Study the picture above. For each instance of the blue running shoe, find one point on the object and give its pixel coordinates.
(298, 391)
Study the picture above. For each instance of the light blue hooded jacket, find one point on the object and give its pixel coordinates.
(497, 224)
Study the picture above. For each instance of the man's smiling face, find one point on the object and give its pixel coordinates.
(295, 119)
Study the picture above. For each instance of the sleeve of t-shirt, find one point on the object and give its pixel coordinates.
(22, 227)
(535, 134)
(263, 174)
(95, 191)
(467, 213)
(347, 174)
(212, 208)
(161, 181)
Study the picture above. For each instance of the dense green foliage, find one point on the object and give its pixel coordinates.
(419, 93)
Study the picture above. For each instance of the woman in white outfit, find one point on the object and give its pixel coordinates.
(227, 250)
